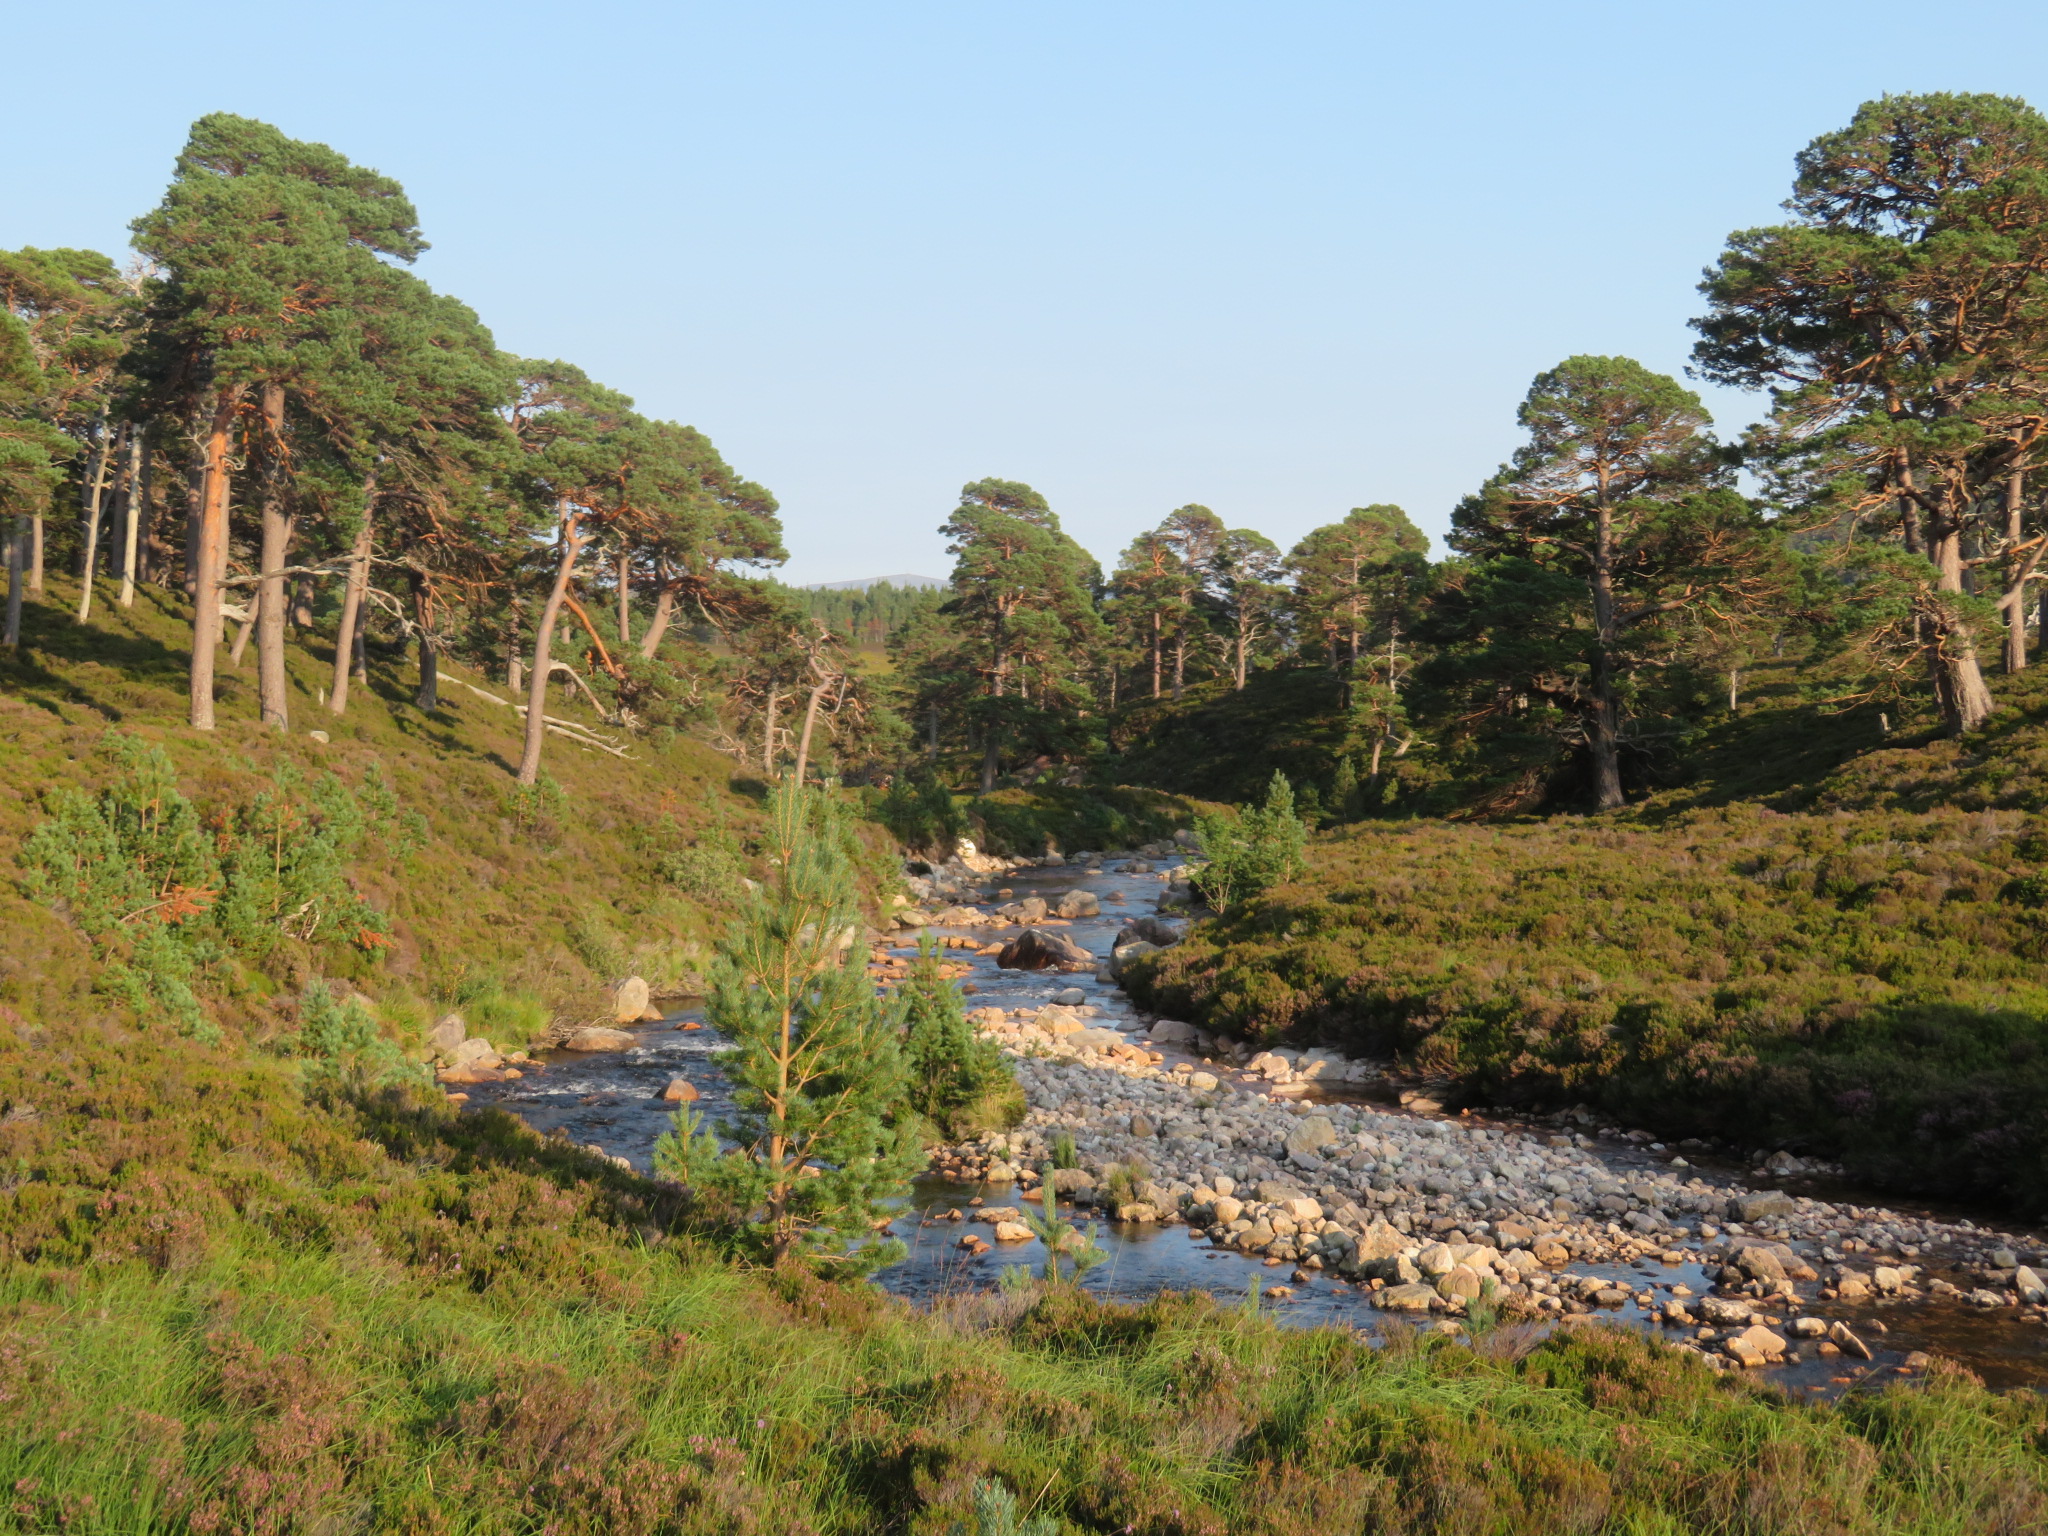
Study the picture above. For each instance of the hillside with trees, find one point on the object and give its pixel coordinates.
(356, 673)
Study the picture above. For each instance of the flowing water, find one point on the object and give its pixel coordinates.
(612, 1100)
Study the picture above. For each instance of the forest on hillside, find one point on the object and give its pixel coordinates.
(263, 410)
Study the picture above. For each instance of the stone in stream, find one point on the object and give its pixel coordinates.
(2030, 1286)
(1030, 910)
(1037, 950)
(1771, 1202)
(680, 1090)
(1069, 997)
(1079, 904)
(1840, 1335)
(474, 1053)
(1124, 954)
(630, 1001)
(1755, 1346)
(595, 1037)
(1147, 930)
(1311, 1134)
(1171, 1032)
(1405, 1298)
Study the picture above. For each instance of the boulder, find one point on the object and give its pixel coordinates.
(1030, 910)
(1225, 1209)
(1724, 1311)
(1067, 1181)
(1405, 1298)
(1461, 1281)
(1171, 1032)
(1311, 1134)
(1756, 1345)
(448, 1032)
(988, 1018)
(1757, 1207)
(1843, 1338)
(1141, 1125)
(1070, 997)
(1381, 1241)
(680, 1090)
(1079, 904)
(595, 1037)
(1758, 1263)
(1435, 1260)
(469, 1074)
(1012, 1232)
(1148, 930)
(2031, 1287)
(1038, 950)
(629, 1000)
(1203, 1082)
(1095, 1039)
(1055, 1020)
(959, 917)
(474, 1053)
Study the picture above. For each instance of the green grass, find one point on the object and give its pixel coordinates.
(223, 1307)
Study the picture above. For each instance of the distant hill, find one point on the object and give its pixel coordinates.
(875, 581)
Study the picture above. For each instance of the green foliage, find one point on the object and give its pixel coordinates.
(1250, 853)
(920, 813)
(996, 1514)
(343, 1047)
(1064, 1242)
(807, 1164)
(1063, 1154)
(1045, 817)
(709, 866)
(1857, 984)
(958, 1081)
(164, 892)
(597, 944)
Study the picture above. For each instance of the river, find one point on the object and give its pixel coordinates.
(611, 1100)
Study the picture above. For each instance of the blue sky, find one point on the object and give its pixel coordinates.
(1281, 259)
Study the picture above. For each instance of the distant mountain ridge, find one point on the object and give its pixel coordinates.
(875, 581)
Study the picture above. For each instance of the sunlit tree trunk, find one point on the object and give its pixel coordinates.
(544, 634)
(352, 598)
(95, 493)
(271, 597)
(138, 502)
(207, 560)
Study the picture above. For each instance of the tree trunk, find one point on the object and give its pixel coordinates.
(664, 609)
(1734, 688)
(17, 548)
(544, 634)
(768, 736)
(131, 517)
(514, 673)
(195, 514)
(1243, 650)
(429, 695)
(1180, 662)
(1603, 724)
(2013, 602)
(1157, 657)
(96, 487)
(1959, 687)
(271, 598)
(301, 613)
(803, 744)
(625, 597)
(35, 552)
(206, 560)
(352, 601)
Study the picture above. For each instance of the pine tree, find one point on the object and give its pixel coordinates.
(958, 1081)
(809, 1161)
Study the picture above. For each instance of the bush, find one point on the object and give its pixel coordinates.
(958, 1082)
(1251, 852)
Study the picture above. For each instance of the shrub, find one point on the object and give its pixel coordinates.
(958, 1081)
(1251, 852)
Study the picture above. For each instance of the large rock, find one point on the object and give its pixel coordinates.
(1226, 1209)
(595, 1037)
(680, 1090)
(448, 1033)
(2030, 1286)
(960, 917)
(1756, 1207)
(474, 1053)
(1381, 1241)
(1148, 930)
(1079, 904)
(629, 1000)
(1055, 1020)
(1405, 1298)
(1310, 1135)
(1030, 910)
(1096, 1039)
(1068, 1181)
(1756, 1345)
(1038, 950)
(1724, 1311)
(469, 1074)
(1758, 1263)
(1171, 1032)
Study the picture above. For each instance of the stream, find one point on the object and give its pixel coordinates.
(611, 1101)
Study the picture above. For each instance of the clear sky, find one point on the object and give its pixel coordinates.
(1281, 259)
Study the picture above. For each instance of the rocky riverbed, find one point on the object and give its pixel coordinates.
(1350, 1193)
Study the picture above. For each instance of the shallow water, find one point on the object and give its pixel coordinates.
(611, 1099)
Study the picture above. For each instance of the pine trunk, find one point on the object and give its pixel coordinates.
(664, 609)
(1959, 687)
(35, 552)
(544, 634)
(17, 548)
(625, 598)
(96, 488)
(131, 519)
(429, 696)
(271, 597)
(1603, 723)
(206, 559)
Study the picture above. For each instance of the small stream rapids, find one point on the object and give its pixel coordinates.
(612, 1100)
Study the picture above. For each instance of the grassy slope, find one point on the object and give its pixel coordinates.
(1818, 941)
(535, 897)
(232, 1299)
